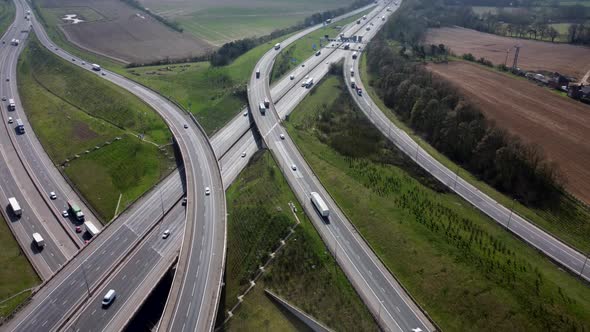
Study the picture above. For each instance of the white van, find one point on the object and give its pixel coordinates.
(109, 297)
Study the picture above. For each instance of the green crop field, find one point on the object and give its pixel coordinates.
(303, 273)
(219, 22)
(296, 53)
(73, 111)
(467, 272)
(6, 14)
(16, 273)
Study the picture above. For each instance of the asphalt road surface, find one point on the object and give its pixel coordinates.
(23, 174)
(536, 237)
(385, 298)
(205, 215)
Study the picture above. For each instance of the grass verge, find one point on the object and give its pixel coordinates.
(568, 220)
(304, 272)
(462, 268)
(213, 94)
(6, 15)
(73, 112)
(16, 273)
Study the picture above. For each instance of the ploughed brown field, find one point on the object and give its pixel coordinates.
(561, 126)
(570, 60)
(125, 33)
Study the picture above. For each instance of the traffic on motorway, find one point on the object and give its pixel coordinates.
(115, 272)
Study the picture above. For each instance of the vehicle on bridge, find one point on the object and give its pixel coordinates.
(277, 46)
(90, 228)
(262, 108)
(95, 67)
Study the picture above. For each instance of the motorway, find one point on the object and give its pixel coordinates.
(28, 175)
(235, 138)
(204, 234)
(533, 235)
(393, 309)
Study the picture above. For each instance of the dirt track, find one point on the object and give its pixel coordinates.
(566, 59)
(561, 126)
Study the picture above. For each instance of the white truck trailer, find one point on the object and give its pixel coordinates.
(95, 67)
(15, 206)
(90, 228)
(38, 239)
(320, 205)
(277, 46)
(11, 104)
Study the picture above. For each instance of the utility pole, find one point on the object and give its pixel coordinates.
(515, 63)
(506, 59)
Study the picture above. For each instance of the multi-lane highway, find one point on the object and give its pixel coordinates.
(28, 175)
(385, 298)
(229, 143)
(533, 235)
(204, 234)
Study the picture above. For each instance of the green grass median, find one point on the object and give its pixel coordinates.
(108, 142)
(303, 272)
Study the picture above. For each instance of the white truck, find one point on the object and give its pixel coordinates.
(277, 46)
(262, 108)
(14, 42)
(352, 83)
(95, 67)
(309, 83)
(320, 205)
(38, 239)
(11, 104)
(382, 18)
(354, 55)
(20, 126)
(90, 228)
(351, 71)
(15, 206)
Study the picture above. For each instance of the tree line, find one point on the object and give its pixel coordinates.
(230, 51)
(453, 125)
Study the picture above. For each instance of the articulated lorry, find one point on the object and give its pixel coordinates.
(76, 211)
(320, 205)
(15, 206)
